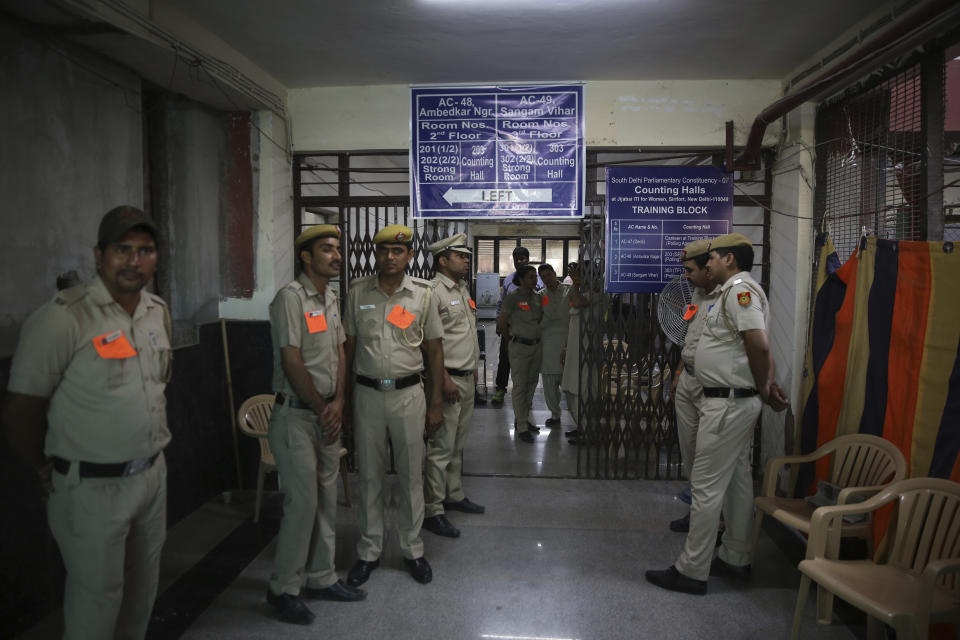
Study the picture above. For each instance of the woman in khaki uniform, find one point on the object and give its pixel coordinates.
(520, 319)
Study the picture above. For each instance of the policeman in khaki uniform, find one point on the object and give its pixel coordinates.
(555, 302)
(392, 328)
(735, 367)
(309, 375)
(520, 320)
(442, 484)
(85, 407)
(686, 389)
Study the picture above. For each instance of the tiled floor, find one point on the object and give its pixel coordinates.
(553, 558)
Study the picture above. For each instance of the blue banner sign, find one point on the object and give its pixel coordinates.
(652, 214)
(497, 152)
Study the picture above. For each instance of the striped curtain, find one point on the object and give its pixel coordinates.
(883, 353)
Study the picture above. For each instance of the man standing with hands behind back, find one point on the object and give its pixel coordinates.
(85, 407)
(309, 377)
(442, 484)
(735, 367)
(393, 328)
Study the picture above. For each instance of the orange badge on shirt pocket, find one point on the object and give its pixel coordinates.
(400, 317)
(114, 346)
(690, 312)
(316, 321)
(545, 301)
(473, 305)
(743, 299)
(524, 306)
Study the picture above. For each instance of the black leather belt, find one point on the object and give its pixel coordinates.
(526, 341)
(459, 373)
(724, 392)
(389, 384)
(295, 402)
(106, 470)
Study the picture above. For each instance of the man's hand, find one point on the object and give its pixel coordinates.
(776, 398)
(332, 420)
(44, 473)
(451, 393)
(434, 419)
(674, 382)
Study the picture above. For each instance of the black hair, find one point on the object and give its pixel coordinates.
(523, 270)
(742, 253)
(545, 266)
(521, 251)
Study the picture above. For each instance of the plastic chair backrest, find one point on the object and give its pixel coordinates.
(925, 526)
(253, 419)
(864, 460)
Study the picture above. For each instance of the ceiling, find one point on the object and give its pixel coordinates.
(306, 43)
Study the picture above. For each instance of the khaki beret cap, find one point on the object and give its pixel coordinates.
(730, 240)
(456, 242)
(695, 249)
(317, 231)
(395, 233)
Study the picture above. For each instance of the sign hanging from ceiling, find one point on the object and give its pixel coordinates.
(497, 152)
(652, 214)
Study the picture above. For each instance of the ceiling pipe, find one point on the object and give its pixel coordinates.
(863, 61)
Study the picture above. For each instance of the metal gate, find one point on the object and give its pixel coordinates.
(625, 411)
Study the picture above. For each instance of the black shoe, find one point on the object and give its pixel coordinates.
(360, 572)
(576, 441)
(439, 525)
(552, 422)
(420, 569)
(337, 591)
(290, 608)
(572, 433)
(681, 525)
(464, 505)
(722, 568)
(532, 428)
(673, 580)
(526, 436)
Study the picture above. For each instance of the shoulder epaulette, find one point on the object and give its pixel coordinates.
(420, 281)
(71, 295)
(156, 299)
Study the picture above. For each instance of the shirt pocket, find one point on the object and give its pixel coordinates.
(369, 321)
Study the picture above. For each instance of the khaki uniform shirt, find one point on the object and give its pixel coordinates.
(695, 327)
(383, 349)
(103, 370)
(458, 314)
(721, 359)
(523, 313)
(300, 317)
(554, 326)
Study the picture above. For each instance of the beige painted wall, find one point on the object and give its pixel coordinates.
(648, 114)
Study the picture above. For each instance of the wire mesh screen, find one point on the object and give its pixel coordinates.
(870, 163)
(951, 145)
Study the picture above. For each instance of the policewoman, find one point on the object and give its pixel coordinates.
(309, 376)
(520, 320)
(442, 484)
(86, 407)
(735, 367)
(393, 330)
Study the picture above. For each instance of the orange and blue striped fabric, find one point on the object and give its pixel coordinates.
(883, 355)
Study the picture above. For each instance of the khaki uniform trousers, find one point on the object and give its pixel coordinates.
(308, 470)
(721, 482)
(551, 393)
(686, 403)
(525, 372)
(441, 474)
(110, 532)
(401, 414)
